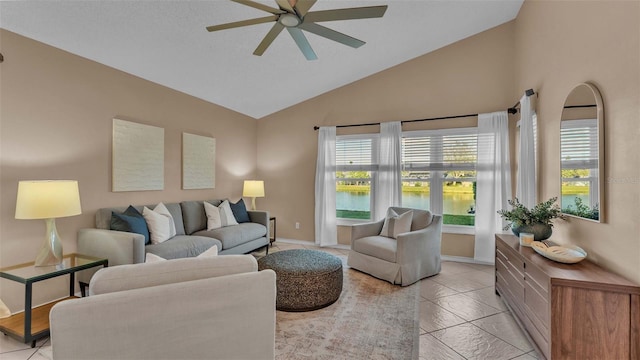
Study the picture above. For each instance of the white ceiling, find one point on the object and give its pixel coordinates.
(166, 42)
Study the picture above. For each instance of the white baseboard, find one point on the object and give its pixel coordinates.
(464, 259)
(304, 242)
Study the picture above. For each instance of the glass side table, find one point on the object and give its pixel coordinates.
(33, 323)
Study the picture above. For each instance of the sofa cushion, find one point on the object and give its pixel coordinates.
(182, 246)
(380, 247)
(176, 212)
(151, 257)
(130, 221)
(159, 225)
(226, 214)
(240, 211)
(193, 215)
(235, 235)
(103, 216)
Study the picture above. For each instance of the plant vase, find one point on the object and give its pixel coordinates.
(540, 231)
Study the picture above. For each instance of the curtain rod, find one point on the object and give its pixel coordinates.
(528, 93)
(580, 106)
(514, 109)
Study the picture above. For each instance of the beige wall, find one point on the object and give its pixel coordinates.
(471, 76)
(558, 45)
(56, 116)
(56, 111)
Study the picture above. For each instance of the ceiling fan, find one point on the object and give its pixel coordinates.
(295, 17)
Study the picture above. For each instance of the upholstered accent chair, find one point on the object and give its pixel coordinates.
(402, 260)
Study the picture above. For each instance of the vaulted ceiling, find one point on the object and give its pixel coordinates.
(166, 42)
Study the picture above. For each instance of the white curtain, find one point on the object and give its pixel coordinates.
(526, 177)
(325, 213)
(388, 179)
(493, 187)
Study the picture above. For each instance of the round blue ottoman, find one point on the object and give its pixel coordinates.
(305, 279)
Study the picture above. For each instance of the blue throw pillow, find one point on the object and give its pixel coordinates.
(240, 211)
(130, 221)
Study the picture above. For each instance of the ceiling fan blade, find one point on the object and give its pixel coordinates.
(302, 43)
(242, 23)
(284, 5)
(346, 14)
(303, 6)
(259, 6)
(331, 34)
(268, 39)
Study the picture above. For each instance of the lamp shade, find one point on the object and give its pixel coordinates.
(47, 199)
(253, 188)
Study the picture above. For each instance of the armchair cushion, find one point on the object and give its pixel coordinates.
(380, 247)
(395, 224)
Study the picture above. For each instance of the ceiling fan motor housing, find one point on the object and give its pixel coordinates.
(289, 20)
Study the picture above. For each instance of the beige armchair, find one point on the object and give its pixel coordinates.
(410, 257)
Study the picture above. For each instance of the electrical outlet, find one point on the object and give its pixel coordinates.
(297, 226)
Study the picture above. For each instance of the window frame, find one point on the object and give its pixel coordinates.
(436, 173)
(371, 168)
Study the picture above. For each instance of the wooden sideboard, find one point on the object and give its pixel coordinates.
(571, 311)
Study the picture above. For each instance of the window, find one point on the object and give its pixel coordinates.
(355, 167)
(439, 171)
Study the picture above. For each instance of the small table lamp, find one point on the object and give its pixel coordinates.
(253, 189)
(48, 199)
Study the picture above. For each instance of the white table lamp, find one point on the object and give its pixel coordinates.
(48, 200)
(253, 189)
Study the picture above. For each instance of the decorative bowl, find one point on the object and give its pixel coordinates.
(567, 254)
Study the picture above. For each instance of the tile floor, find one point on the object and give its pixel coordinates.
(460, 317)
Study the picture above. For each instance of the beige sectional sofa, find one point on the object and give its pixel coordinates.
(217, 307)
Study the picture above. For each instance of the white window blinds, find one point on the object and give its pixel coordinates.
(579, 144)
(355, 153)
(440, 150)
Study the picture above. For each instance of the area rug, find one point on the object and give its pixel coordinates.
(372, 319)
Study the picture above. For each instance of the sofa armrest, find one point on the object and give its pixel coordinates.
(215, 318)
(423, 241)
(118, 247)
(259, 217)
(359, 231)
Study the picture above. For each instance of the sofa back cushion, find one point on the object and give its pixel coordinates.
(103, 216)
(135, 276)
(194, 216)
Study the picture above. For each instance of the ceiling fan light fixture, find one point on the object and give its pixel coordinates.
(289, 20)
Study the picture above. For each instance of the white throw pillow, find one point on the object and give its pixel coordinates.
(150, 258)
(395, 224)
(211, 252)
(214, 221)
(158, 224)
(162, 209)
(226, 214)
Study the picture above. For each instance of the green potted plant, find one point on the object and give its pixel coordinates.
(537, 221)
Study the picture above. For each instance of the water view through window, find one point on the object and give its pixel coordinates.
(459, 206)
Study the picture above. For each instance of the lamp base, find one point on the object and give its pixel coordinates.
(51, 252)
(253, 203)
